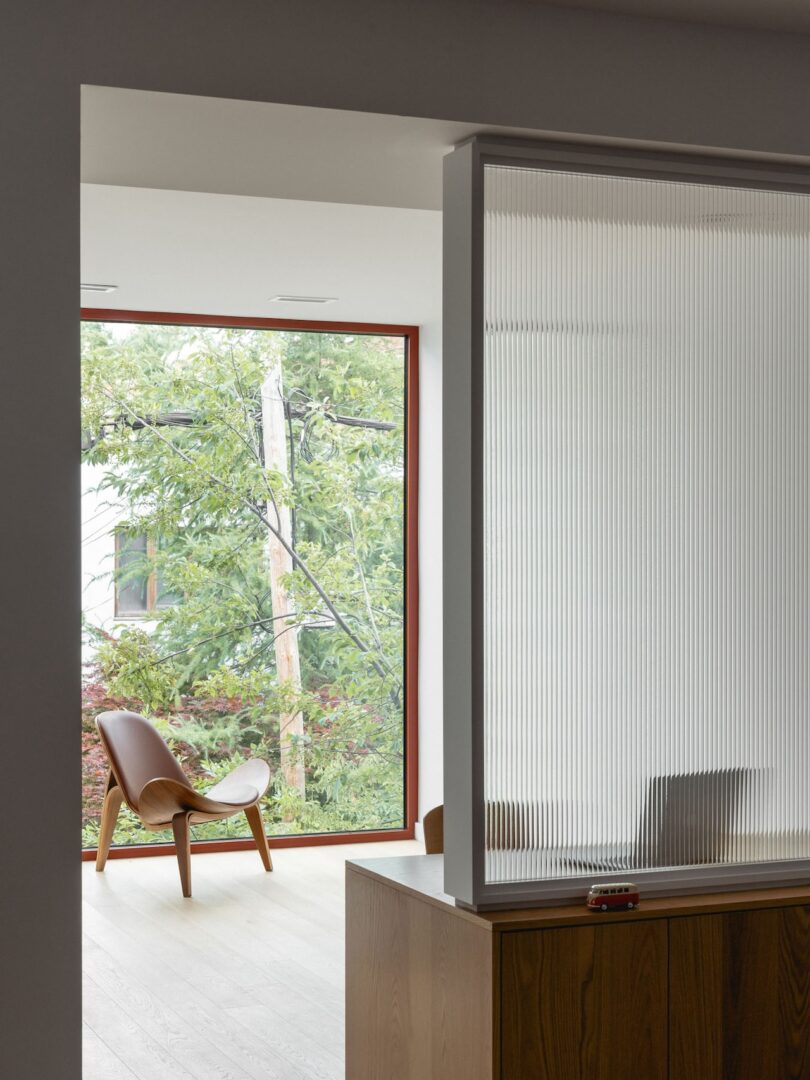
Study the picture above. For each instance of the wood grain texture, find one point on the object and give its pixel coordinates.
(585, 1004)
(244, 982)
(113, 797)
(254, 819)
(419, 988)
(182, 841)
(740, 995)
(433, 829)
(424, 876)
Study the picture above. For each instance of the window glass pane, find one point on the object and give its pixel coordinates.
(165, 597)
(271, 465)
(132, 575)
(646, 524)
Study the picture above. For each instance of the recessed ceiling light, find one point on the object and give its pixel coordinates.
(88, 287)
(284, 299)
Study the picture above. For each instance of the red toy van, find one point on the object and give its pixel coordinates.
(613, 895)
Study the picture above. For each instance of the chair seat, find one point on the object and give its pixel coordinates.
(232, 794)
(162, 798)
(251, 775)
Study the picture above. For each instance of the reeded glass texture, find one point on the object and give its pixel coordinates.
(646, 525)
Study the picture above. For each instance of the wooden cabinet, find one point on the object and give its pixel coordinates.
(740, 995)
(418, 989)
(690, 988)
(588, 1002)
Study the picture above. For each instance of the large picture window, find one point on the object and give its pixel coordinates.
(276, 616)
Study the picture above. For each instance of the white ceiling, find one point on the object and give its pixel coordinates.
(763, 14)
(226, 255)
(184, 143)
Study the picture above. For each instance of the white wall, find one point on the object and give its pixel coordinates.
(225, 255)
(99, 519)
(431, 743)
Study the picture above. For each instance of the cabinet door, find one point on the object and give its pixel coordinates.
(740, 995)
(585, 1004)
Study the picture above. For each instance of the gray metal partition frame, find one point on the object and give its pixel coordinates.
(465, 614)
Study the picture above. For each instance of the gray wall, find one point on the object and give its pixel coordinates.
(495, 63)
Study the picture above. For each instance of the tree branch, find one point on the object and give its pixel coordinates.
(262, 517)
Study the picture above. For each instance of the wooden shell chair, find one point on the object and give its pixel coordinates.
(433, 827)
(146, 775)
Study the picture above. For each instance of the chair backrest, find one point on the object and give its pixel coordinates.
(433, 826)
(689, 818)
(137, 753)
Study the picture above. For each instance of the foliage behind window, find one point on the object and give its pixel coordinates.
(173, 418)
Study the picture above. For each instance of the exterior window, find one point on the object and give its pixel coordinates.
(139, 589)
(276, 468)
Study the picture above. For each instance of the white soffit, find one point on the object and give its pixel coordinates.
(230, 255)
(177, 142)
(184, 143)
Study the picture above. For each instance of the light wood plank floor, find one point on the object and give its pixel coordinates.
(242, 982)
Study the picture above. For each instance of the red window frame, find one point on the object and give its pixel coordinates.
(411, 336)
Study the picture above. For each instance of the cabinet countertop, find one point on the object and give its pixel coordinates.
(423, 876)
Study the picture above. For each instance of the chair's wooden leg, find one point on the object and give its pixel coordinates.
(182, 842)
(254, 816)
(109, 816)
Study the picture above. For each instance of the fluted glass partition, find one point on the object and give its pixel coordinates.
(645, 526)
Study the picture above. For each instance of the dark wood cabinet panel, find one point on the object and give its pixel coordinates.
(586, 1003)
(740, 995)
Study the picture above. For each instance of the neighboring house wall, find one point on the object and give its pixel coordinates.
(512, 63)
(99, 520)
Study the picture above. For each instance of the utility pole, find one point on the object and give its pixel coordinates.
(288, 665)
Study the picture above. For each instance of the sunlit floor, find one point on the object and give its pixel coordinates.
(244, 980)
